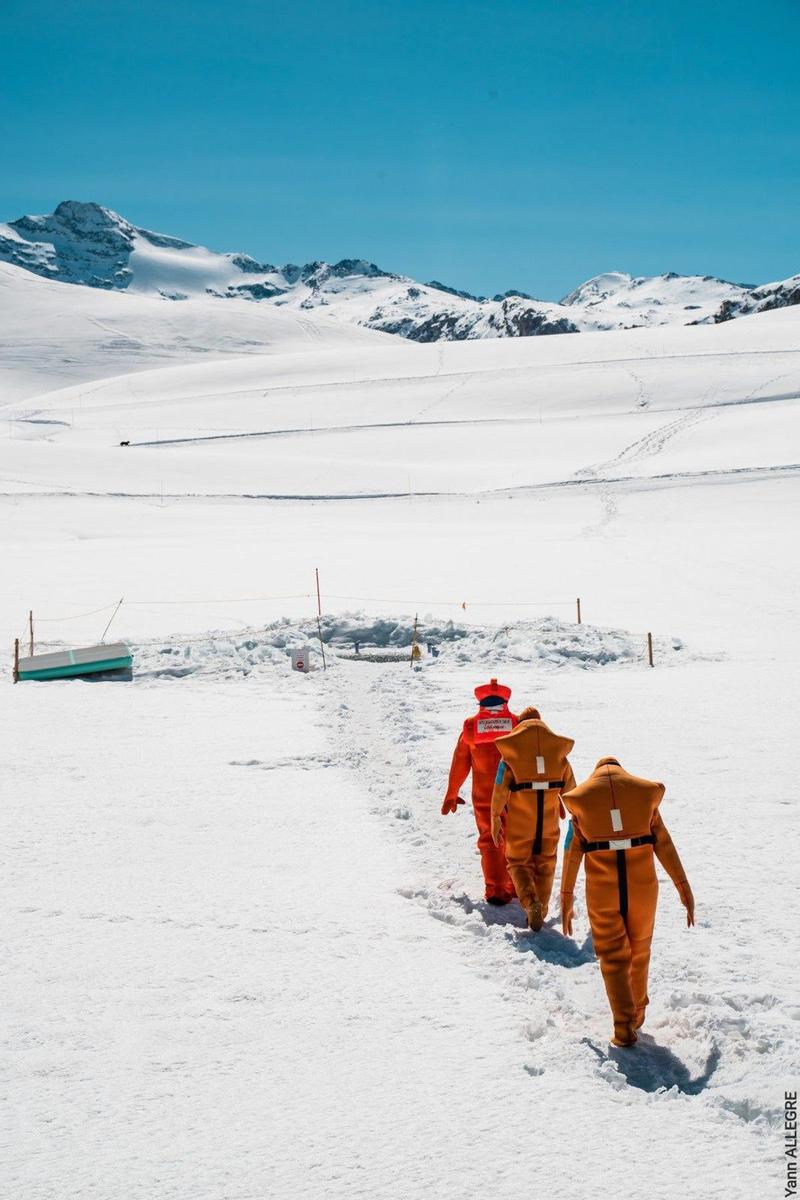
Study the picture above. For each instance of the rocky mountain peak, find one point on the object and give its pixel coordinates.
(600, 287)
(84, 242)
(74, 220)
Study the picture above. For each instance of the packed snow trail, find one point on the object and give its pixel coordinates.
(711, 1006)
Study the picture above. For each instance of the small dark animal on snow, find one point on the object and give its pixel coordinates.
(124, 443)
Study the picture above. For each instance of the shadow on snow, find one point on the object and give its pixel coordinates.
(649, 1067)
(549, 945)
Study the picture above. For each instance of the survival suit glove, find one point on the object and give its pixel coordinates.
(567, 913)
(687, 900)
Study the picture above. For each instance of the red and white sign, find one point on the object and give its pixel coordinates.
(489, 728)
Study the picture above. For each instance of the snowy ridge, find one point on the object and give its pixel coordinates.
(85, 243)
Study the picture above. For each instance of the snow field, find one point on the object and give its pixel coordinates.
(55, 334)
(349, 416)
(244, 955)
(226, 978)
(713, 565)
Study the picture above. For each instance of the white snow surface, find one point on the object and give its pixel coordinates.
(53, 334)
(244, 954)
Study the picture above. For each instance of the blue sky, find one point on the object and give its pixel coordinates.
(491, 145)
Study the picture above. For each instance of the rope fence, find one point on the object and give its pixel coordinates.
(79, 616)
(115, 606)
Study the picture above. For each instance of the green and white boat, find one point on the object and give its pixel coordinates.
(86, 660)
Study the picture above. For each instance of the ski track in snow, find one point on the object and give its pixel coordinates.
(635, 483)
(688, 414)
(654, 442)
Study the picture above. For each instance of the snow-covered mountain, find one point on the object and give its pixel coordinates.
(89, 244)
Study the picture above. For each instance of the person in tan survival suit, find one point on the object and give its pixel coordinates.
(475, 751)
(533, 773)
(617, 827)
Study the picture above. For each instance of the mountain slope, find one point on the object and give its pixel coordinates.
(55, 334)
(390, 418)
(85, 243)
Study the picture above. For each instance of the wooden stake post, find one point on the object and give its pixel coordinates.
(650, 649)
(414, 648)
(16, 660)
(319, 621)
(111, 618)
(30, 626)
(578, 602)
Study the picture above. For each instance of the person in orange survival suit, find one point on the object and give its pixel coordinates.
(533, 773)
(617, 826)
(475, 751)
